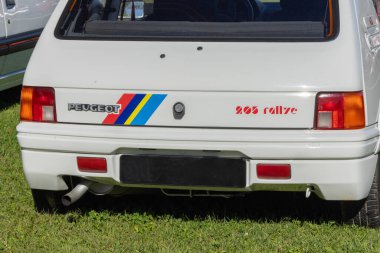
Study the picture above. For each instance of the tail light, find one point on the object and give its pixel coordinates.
(38, 104)
(340, 111)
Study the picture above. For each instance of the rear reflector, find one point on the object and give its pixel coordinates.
(340, 111)
(273, 171)
(92, 164)
(38, 104)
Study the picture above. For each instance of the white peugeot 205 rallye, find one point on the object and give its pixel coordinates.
(205, 97)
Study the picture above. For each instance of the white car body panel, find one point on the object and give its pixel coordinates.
(325, 176)
(19, 23)
(263, 144)
(339, 165)
(27, 15)
(209, 109)
(371, 63)
(3, 31)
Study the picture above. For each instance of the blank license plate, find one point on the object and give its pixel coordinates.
(183, 171)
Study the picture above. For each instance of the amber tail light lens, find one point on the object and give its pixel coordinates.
(38, 104)
(340, 111)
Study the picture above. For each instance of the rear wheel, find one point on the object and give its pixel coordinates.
(365, 212)
(48, 201)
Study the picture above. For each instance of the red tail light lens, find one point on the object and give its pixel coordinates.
(92, 164)
(340, 111)
(38, 104)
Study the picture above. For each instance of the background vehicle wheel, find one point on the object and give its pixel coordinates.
(48, 201)
(365, 212)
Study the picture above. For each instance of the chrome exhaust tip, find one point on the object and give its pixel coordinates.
(75, 194)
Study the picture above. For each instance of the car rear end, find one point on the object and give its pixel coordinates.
(213, 97)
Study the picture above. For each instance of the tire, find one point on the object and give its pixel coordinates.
(365, 213)
(48, 201)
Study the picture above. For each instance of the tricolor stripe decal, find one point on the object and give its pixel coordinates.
(135, 110)
(129, 109)
(123, 102)
(138, 109)
(147, 111)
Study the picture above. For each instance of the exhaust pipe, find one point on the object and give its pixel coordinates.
(76, 193)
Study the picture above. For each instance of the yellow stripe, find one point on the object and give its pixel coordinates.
(138, 109)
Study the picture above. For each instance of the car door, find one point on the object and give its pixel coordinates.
(27, 15)
(3, 45)
(24, 21)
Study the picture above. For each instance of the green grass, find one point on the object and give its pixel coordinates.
(258, 223)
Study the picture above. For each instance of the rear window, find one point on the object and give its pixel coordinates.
(234, 20)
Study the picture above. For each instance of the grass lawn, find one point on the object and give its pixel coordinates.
(262, 222)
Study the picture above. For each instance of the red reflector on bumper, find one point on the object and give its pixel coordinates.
(273, 171)
(92, 164)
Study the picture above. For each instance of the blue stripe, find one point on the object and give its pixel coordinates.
(130, 108)
(148, 110)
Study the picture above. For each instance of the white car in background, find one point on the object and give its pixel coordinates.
(205, 98)
(21, 23)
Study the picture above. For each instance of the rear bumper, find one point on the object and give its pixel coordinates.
(339, 165)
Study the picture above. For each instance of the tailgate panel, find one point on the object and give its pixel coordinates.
(202, 109)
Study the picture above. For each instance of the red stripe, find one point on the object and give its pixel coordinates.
(18, 43)
(123, 101)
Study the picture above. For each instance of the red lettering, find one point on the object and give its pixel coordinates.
(255, 110)
(275, 110)
(247, 110)
(278, 109)
(239, 110)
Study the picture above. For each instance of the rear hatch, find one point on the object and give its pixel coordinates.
(216, 63)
